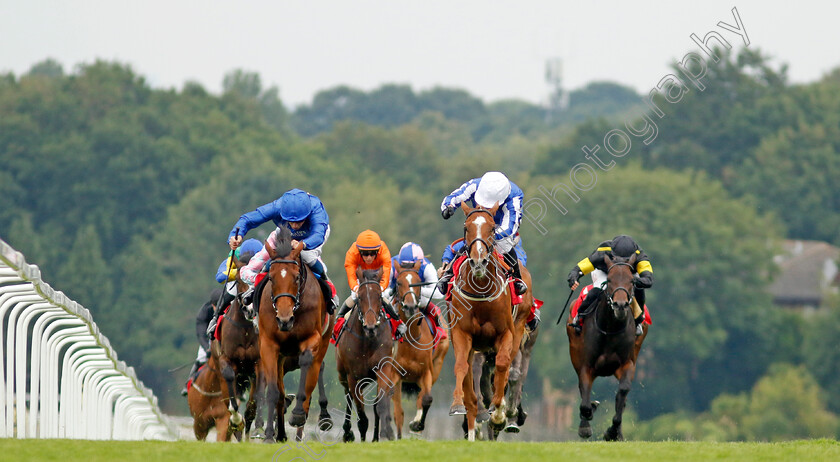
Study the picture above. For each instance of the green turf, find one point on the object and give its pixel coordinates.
(416, 450)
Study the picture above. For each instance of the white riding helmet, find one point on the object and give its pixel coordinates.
(493, 188)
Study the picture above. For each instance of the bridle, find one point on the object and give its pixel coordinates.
(300, 279)
(492, 239)
(611, 295)
(379, 314)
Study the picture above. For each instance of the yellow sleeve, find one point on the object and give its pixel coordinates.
(643, 266)
(585, 266)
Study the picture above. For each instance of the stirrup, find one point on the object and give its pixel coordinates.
(639, 330)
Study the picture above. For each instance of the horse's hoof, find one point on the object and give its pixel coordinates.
(297, 419)
(325, 424)
(458, 410)
(512, 428)
(349, 437)
(269, 441)
(595, 405)
(258, 434)
(585, 432)
(482, 416)
(496, 426)
(613, 435)
(520, 419)
(416, 426)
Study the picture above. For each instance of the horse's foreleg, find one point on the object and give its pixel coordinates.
(424, 402)
(308, 380)
(625, 376)
(383, 405)
(398, 410)
(229, 376)
(504, 352)
(324, 419)
(471, 401)
(585, 379)
(250, 408)
(478, 371)
(463, 348)
(269, 369)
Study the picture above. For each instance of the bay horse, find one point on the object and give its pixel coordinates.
(482, 317)
(237, 351)
(607, 345)
(208, 401)
(421, 360)
(293, 322)
(363, 357)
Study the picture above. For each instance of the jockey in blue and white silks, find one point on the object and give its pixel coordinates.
(491, 189)
(410, 254)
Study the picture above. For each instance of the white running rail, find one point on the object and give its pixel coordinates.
(59, 376)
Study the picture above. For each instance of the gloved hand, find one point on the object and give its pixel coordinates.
(448, 212)
(401, 329)
(574, 275)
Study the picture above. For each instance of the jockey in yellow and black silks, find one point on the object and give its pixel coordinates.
(620, 246)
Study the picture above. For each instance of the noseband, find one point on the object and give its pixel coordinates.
(301, 283)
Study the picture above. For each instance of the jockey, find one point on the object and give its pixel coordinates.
(369, 252)
(205, 314)
(621, 246)
(305, 216)
(492, 189)
(226, 274)
(410, 254)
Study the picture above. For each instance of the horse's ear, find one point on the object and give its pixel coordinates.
(296, 251)
(608, 260)
(270, 248)
(632, 260)
(378, 273)
(417, 265)
(466, 208)
(494, 209)
(359, 273)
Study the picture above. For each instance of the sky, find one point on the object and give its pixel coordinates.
(493, 49)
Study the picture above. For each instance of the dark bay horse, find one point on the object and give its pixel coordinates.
(363, 357)
(417, 354)
(607, 345)
(293, 321)
(482, 318)
(238, 353)
(208, 402)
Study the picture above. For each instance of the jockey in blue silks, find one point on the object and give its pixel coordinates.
(410, 254)
(304, 215)
(493, 188)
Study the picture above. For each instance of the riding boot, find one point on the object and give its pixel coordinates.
(513, 261)
(639, 321)
(443, 282)
(532, 324)
(329, 297)
(593, 295)
(191, 376)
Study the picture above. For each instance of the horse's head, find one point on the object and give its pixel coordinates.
(287, 276)
(479, 236)
(619, 289)
(408, 288)
(370, 302)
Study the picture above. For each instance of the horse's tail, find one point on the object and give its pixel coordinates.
(410, 389)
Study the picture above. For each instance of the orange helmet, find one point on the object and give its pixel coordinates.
(368, 240)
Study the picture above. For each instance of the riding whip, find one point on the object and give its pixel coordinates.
(230, 267)
(564, 307)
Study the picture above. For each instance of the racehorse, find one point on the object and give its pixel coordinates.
(363, 358)
(293, 321)
(483, 364)
(421, 360)
(607, 345)
(482, 317)
(207, 398)
(237, 350)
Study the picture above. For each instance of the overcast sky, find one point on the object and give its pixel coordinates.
(493, 49)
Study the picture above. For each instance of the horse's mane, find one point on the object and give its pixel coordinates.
(370, 275)
(283, 241)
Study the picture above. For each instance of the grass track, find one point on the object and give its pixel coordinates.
(416, 450)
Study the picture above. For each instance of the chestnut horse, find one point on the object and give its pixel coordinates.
(363, 358)
(293, 320)
(237, 351)
(482, 318)
(607, 345)
(207, 399)
(417, 355)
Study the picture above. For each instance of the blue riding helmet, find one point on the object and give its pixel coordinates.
(251, 245)
(295, 205)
